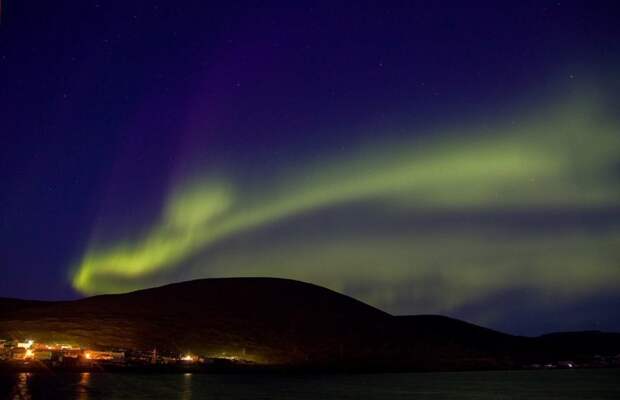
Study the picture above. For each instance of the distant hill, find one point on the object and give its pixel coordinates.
(283, 322)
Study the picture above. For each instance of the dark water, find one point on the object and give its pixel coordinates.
(561, 384)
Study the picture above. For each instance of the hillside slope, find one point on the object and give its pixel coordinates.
(266, 320)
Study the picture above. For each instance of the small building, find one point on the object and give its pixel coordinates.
(18, 353)
(188, 359)
(140, 357)
(42, 355)
(566, 364)
(5, 354)
(95, 355)
(71, 353)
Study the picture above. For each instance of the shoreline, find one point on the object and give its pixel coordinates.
(13, 368)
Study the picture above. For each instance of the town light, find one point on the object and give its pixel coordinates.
(26, 345)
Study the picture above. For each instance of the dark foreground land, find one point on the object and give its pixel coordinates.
(265, 324)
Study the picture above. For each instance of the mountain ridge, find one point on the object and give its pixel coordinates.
(278, 321)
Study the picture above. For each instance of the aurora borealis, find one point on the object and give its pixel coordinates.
(395, 154)
(531, 166)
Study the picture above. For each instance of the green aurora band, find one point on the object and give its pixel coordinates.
(560, 158)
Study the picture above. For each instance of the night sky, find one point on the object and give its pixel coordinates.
(424, 157)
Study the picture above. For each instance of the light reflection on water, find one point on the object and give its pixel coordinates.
(20, 390)
(186, 391)
(505, 385)
(82, 387)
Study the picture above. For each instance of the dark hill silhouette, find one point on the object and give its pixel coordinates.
(276, 321)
